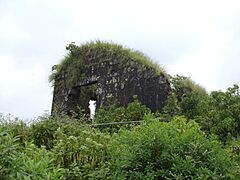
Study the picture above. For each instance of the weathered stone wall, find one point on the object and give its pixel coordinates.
(111, 81)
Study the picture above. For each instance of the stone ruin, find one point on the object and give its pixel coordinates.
(109, 74)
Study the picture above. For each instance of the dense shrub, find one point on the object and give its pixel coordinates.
(193, 105)
(16, 127)
(233, 146)
(43, 131)
(174, 150)
(187, 98)
(24, 162)
(65, 148)
(222, 113)
(182, 85)
(83, 155)
(35, 163)
(8, 149)
(217, 113)
(135, 111)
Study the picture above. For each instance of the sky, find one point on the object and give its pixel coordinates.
(198, 39)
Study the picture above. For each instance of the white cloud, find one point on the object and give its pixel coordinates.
(200, 66)
(9, 28)
(24, 91)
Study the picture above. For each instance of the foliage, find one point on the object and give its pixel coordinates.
(152, 150)
(222, 113)
(135, 111)
(173, 150)
(233, 146)
(18, 129)
(217, 113)
(65, 148)
(24, 162)
(8, 148)
(182, 85)
(43, 132)
(184, 147)
(187, 98)
(192, 105)
(79, 56)
(83, 155)
(33, 162)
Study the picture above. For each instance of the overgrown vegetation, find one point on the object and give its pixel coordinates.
(196, 137)
(174, 150)
(81, 56)
(182, 85)
(135, 111)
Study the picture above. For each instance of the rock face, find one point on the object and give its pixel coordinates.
(108, 79)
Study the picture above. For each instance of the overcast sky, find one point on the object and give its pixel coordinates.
(196, 38)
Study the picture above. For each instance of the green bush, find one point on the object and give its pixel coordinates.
(187, 98)
(24, 162)
(173, 150)
(16, 127)
(222, 114)
(82, 156)
(43, 131)
(35, 163)
(193, 105)
(182, 85)
(8, 149)
(233, 146)
(66, 148)
(135, 111)
(217, 113)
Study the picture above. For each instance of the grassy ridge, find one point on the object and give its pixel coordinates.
(78, 57)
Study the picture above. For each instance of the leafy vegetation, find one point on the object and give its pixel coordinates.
(196, 137)
(24, 161)
(217, 113)
(187, 98)
(173, 150)
(151, 150)
(221, 113)
(135, 111)
(182, 85)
